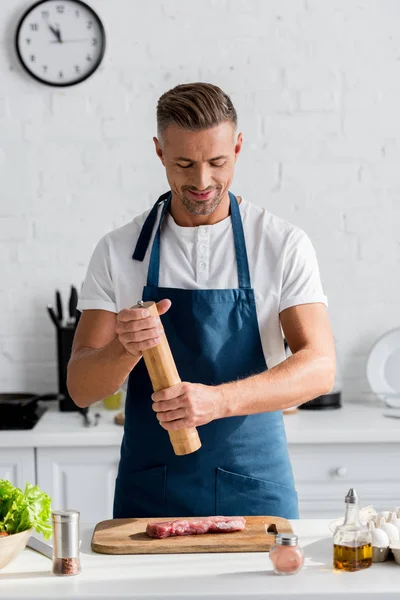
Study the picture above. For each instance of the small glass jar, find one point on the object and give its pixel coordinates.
(286, 555)
(66, 558)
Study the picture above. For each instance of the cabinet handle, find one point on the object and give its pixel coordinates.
(339, 472)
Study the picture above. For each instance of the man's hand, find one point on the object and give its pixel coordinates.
(188, 405)
(137, 331)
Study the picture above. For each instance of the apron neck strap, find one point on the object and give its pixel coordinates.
(154, 264)
(147, 229)
(240, 244)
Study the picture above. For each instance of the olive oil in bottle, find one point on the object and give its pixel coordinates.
(352, 547)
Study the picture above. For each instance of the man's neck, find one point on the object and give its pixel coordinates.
(184, 218)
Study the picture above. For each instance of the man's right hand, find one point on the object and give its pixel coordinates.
(137, 331)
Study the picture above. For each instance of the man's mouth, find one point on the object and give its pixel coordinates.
(200, 195)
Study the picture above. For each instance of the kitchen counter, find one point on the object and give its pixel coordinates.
(353, 423)
(241, 576)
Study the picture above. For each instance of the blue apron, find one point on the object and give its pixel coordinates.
(243, 467)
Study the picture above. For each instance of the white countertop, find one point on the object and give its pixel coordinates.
(194, 576)
(353, 423)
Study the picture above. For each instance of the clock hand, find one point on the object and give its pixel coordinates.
(70, 41)
(56, 32)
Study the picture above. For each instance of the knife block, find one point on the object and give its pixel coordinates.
(65, 337)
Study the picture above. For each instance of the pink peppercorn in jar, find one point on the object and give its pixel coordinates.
(66, 559)
(286, 555)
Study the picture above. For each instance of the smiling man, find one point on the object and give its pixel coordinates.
(230, 280)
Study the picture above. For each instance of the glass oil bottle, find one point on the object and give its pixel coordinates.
(352, 544)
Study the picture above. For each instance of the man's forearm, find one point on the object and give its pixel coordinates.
(301, 377)
(95, 373)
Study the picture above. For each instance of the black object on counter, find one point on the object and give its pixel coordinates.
(21, 410)
(324, 402)
(65, 337)
(65, 331)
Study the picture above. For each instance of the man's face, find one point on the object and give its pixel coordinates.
(200, 164)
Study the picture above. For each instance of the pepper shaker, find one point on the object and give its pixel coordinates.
(66, 559)
(286, 555)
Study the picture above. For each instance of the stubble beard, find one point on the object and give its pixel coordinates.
(201, 207)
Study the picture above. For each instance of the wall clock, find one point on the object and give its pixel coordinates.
(60, 42)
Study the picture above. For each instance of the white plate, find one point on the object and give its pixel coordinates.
(383, 368)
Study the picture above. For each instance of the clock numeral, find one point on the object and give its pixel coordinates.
(34, 26)
(45, 68)
(89, 58)
(32, 57)
(28, 40)
(89, 25)
(77, 69)
(77, 13)
(61, 74)
(60, 9)
(45, 14)
(94, 41)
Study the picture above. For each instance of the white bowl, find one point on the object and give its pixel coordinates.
(12, 545)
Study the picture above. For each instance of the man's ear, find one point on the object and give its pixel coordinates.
(238, 145)
(159, 150)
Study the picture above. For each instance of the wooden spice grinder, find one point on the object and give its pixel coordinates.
(163, 374)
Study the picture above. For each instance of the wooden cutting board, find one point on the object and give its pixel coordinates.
(128, 536)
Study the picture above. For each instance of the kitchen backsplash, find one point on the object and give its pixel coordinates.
(316, 88)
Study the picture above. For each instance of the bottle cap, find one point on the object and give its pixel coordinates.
(286, 539)
(351, 497)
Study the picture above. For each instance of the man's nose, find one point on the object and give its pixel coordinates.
(202, 178)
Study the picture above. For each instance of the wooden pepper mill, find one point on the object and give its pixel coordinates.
(163, 374)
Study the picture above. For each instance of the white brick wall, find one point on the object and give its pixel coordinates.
(316, 85)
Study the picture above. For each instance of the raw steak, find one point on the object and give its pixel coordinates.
(195, 526)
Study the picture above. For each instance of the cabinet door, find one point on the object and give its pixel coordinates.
(18, 466)
(80, 478)
(324, 473)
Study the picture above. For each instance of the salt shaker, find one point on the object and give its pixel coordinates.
(286, 555)
(66, 560)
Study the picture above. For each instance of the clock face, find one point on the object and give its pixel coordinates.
(60, 42)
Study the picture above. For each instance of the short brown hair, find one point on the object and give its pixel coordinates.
(194, 106)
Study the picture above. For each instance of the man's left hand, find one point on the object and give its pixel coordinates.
(187, 405)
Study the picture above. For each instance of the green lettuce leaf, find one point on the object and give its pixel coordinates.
(22, 510)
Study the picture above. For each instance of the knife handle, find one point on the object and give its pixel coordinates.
(163, 374)
(59, 306)
(73, 302)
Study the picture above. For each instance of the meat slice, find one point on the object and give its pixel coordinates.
(195, 526)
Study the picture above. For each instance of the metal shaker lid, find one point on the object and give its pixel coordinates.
(352, 497)
(286, 539)
(65, 516)
(65, 533)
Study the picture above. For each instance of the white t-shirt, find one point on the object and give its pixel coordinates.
(283, 267)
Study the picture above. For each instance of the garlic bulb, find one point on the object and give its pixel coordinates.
(394, 521)
(385, 514)
(379, 538)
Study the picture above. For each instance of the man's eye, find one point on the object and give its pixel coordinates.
(184, 166)
(218, 164)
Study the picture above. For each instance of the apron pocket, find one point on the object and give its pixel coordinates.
(141, 494)
(240, 495)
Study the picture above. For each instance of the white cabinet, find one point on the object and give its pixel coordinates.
(80, 478)
(18, 466)
(324, 473)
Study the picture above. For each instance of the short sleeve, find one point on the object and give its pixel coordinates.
(98, 291)
(301, 277)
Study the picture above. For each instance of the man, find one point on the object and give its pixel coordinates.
(228, 277)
